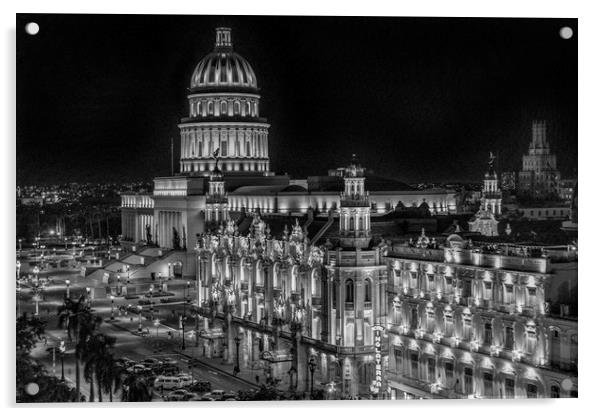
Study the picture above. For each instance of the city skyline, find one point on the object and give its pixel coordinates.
(456, 97)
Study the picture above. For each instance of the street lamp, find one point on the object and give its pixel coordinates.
(88, 291)
(152, 310)
(36, 272)
(168, 271)
(67, 295)
(20, 246)
(187, 290)
(112, 308)
(237, 340)
(118, 284)
(62, 350)
(182, 327)
(139, 319)
(18, 270)
(312, 369)
(127, 269)
(36, 298)
(157, 323)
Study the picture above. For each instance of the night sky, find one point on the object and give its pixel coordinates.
(418, 99)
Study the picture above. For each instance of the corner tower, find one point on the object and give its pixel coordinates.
(354, 228)
(224, 115)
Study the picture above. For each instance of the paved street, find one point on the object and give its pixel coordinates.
(154, 342)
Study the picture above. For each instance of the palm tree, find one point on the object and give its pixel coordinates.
(135, 389)
(78, 320)
(96, 356)
(111, 374)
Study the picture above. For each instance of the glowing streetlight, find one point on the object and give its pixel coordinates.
(36, 272)
(112, 308)
(139, 318)
(156, 323)
(67, 282)
(18, 269)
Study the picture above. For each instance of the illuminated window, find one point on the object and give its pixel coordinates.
(509, 338)
(367, 291)
(488, 385)
(431, 369)
(349, 291)
(509, 385)
(414, 365)
(487, 334)
(487, 290)
(468, 387)
(531, 391)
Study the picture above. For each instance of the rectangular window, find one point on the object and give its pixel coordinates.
(431, 370)
(509, 384)
(467, 289)
(509, 338)
(487, 291)
(468, 381)
(531, 391)
(398, 360)
(449, 374)
(414, 365)
(488, 385)
(487, 334)
(449, 325)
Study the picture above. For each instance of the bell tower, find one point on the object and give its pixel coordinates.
(354, 212)
(216, 202)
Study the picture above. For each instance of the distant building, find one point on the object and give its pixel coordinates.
(539, 177)
(484, 221)
(566, 189)
(508, 181)
(548, 212)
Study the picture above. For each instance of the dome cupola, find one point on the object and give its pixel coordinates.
(223, 69)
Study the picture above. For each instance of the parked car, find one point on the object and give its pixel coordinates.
(201, 386)
(168, 360)
(180, 395)
(137, 369)
(125, 362)
(204, 398)
(218, 394)
(167, 382)
(186, 380)
(230, 396)
(167, 370)
(151, 362)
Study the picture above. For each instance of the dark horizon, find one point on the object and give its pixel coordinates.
(418, 99)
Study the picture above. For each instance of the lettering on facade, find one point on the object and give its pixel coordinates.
(378, 356)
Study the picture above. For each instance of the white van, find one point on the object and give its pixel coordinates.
(167, 382)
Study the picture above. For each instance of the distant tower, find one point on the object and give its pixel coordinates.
(539, 177)
(354, 229)
(484, 221)
(216, 203)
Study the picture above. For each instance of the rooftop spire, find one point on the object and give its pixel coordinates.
(223, 40)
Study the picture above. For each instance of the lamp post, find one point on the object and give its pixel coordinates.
(152, 311)
(127, 269)
(182, 327)
(18, 270)
(36, 298)
(20, 246)
(139, 319)
(67, 293)
(237, 340)
(156, 324)
(18, 300)
(168, 271)
(187, 290)
(112, 308)
(118, 285)
(62, 351)
(88, 298)
(312, 369)
(36, 272)
(160, 281)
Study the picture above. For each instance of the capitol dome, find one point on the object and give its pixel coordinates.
(223, 68)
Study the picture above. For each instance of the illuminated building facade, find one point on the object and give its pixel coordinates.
(465, 323)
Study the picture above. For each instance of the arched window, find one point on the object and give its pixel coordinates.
(247, 108)
(224, 108)
(367, 291)
(349, 291)
(554, 392)
(236, 108)
(210, 107)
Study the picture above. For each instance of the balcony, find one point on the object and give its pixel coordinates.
(244, 286)
(259, 289)
(316, 301)
(360, 349)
